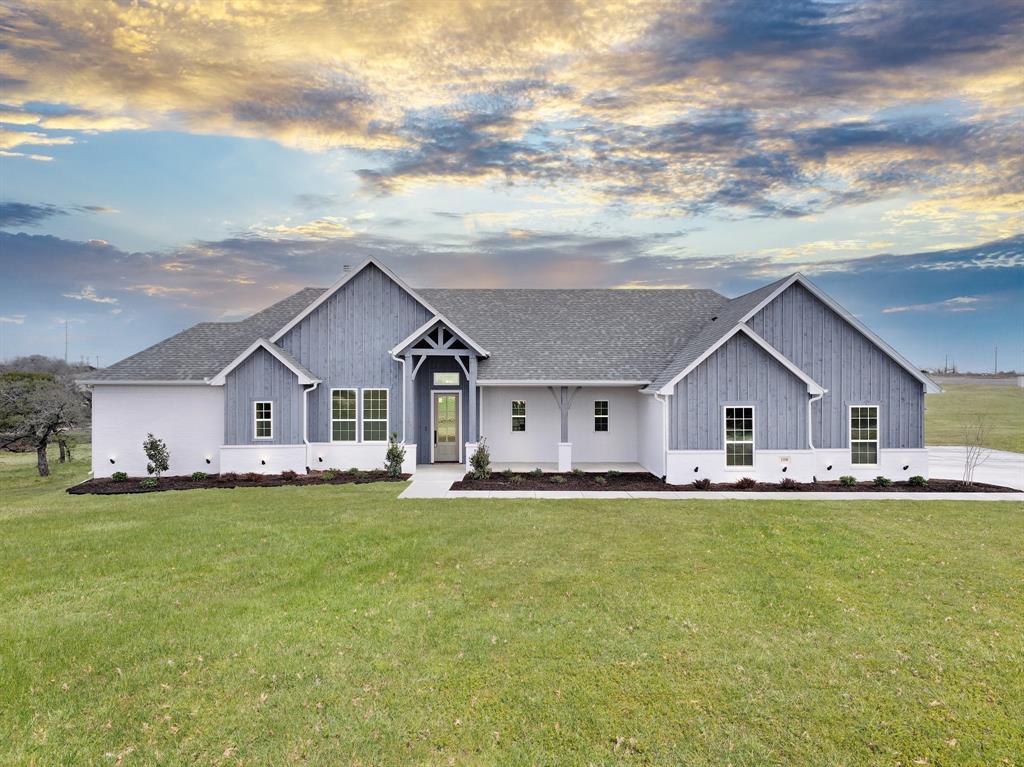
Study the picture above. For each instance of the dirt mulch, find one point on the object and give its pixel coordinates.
(108, 486)
(642, 481)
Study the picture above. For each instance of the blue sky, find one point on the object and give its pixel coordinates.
(162, 165)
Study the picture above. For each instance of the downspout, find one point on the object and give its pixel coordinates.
(305, 414)
(663, 399)
(404, 404)
(810, 419)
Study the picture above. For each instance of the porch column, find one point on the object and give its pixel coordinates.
(409, 402)
(474, 432)
(564, 399)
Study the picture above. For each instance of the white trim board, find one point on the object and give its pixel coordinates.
(428, 325)
(813, 387)
(303, 375)
(554, 382)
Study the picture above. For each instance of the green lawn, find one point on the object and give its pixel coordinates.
(327, 625)
(1001, 406)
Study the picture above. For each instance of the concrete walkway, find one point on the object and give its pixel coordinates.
(999, 468)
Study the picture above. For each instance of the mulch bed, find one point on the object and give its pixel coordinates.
(107, 486)
(642, 481)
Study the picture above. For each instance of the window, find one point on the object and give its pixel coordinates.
(446, 379)
(739, 436)
(343, 415)
(864, 434)
(375, 415)
(518, 415)
(601, 415)
(264, 423)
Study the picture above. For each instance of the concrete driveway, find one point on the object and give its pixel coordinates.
(999, 467)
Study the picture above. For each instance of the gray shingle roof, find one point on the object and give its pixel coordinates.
(726, 318)
(532, 334)
(548, 334)
(203, 350)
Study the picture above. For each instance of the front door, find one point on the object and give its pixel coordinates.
(446, 426)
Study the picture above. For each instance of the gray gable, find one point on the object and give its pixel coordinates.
(589, 334)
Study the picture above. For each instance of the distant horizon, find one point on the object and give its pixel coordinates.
(164, 166)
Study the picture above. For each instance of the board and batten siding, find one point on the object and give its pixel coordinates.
(262, 377)
(853, 369)
(739, 372)
(345, 342)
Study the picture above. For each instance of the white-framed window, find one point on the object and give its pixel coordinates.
(263, 420)
(600, 415)
(739, 436)
(375, 415)
(864, 435)
(446, 379)
(518, 415)
(343, 415)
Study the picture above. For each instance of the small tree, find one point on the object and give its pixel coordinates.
(395, 457)
(158, 454)
(480, 461)
(974, 433)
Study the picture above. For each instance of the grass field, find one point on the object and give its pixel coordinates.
(337, 626)
(1002, 407)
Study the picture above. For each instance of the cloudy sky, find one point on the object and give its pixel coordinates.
(163, 163)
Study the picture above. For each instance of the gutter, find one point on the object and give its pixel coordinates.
(810, 418)
(663, 399)
(404, 403)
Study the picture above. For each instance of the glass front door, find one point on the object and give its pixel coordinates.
(446, 426)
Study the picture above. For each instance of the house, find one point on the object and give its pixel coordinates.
(780, 382)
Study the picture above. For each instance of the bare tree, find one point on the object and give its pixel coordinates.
(974, 433)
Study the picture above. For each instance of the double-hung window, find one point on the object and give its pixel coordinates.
(375, 415)
(518, 415)
(263, 420)
(739, 436)
(864, 435)
(601, 415)
(343, 415)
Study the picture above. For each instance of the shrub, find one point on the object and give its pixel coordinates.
(199, 476)
(516, 479)
(355, 472)
(149, 483)
(327, 476)
(847, 481)
(508, 474)
(253, 476)
(881, 481)
(612, 474)
(119, 476)
(600, 480)
(227, 476)
(288, 475)
(157, 453)
(702, 484)
(788, 484)
(394, 458)
(480, 461)
(557, 479)
(745, 483)
(537, 473)
(918, 481)
(577, 472)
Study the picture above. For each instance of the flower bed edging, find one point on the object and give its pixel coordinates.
(643, 481)
(107, 486)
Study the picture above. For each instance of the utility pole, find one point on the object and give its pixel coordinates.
(65, 342)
